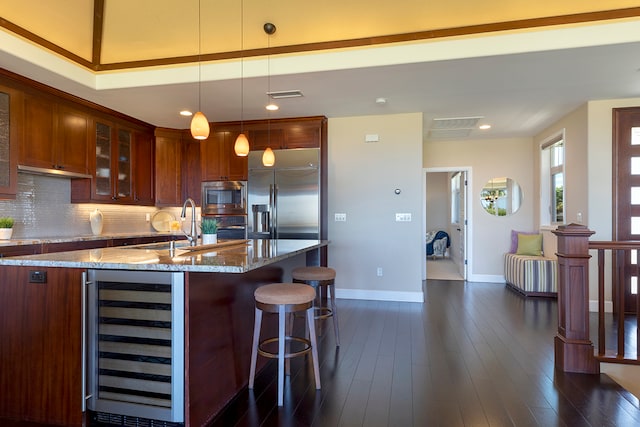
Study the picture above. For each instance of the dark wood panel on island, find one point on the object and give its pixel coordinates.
(40, 354)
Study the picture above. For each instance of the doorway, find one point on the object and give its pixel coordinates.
(446, 209)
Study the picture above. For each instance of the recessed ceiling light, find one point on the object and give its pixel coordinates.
(272, 107)
(484, 127)
(186, 113)
(381, 101)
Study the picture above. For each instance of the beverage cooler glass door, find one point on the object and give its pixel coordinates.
(135, 357)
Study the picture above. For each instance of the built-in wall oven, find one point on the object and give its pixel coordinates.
(226, 201)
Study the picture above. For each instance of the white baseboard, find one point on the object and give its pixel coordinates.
(364, 294)
(593, 306)
(486, 278)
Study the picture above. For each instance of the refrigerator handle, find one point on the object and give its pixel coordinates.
(273, 206)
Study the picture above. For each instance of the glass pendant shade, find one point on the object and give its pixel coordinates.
(268, 158)
(199, 126)
(241, 147)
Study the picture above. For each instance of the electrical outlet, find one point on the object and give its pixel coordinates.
(379, 272)
(340, 217)
(147, 217)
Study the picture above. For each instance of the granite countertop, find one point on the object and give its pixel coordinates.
(236, 258)
(83, 238)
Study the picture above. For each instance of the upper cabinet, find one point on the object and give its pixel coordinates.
(168, 182)
(143, 173)
(122, 166)
(178, 174)
(304, 132)
(219, 160)
(10, 106)
(55, 136)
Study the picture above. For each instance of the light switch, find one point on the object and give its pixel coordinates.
(340, 217)
(403, 217)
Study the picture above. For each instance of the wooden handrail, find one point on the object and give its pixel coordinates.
(619, 253)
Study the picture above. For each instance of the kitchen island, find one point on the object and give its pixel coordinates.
(136, 333)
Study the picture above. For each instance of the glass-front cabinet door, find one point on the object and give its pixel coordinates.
(113, 163)
(8, 143)
(103, 182)
(123, 180)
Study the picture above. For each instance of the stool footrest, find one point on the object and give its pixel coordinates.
(271, 355)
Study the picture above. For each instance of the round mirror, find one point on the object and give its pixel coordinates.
(501, 196)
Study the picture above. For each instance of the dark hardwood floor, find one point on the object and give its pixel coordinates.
(474, 354)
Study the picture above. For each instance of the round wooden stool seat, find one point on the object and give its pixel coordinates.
(323, 280)
(285, 293)
(284, 298)
(313, 273)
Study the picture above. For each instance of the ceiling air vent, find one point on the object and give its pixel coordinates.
(285, 94)
(453, 127)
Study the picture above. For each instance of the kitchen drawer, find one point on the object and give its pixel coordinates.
(17, 250)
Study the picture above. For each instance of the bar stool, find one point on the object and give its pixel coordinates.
(323, 281)
(283, 298)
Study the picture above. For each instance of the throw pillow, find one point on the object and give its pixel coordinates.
(529, 244)
(514, 239)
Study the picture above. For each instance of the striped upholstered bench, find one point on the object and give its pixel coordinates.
(531, 275)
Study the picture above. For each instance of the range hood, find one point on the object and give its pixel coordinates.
(52, 172)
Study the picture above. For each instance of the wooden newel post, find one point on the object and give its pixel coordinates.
(574, 350)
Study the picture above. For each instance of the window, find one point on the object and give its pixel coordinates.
(552, 180)
(455, 198)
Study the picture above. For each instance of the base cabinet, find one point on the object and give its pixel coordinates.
(40, 345)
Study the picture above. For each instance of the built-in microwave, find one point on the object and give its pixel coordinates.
(224, 198)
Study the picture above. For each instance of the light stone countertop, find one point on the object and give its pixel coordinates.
(240, 258)
(83, 238)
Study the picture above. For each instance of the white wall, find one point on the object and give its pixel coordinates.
(490, 236)
(362, 180)
(437, 203)
(576, 137)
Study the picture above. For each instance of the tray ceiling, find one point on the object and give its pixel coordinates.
(112, 34)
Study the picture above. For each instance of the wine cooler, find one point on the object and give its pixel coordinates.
(134, 329)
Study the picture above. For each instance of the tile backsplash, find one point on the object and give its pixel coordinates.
(42, 209)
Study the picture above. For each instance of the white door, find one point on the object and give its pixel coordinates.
(461, 227)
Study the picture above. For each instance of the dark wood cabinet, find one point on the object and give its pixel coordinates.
(10, 112)
(40, 350)
(20, 250)
(168, 167)
(191, 170)
(303, 132)
(56, 137)
(122, 166)
(219, 160)
(144, 168)
(73, 137)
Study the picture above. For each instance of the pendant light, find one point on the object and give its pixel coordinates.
(268, 157)
(241, 146)
(270, 29)
(199, 122)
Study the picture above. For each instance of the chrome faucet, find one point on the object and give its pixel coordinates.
(193, 236)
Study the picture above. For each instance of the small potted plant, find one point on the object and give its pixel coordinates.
(209, 228)
(6, 228)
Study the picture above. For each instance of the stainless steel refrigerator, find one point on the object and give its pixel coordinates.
(284, 199)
